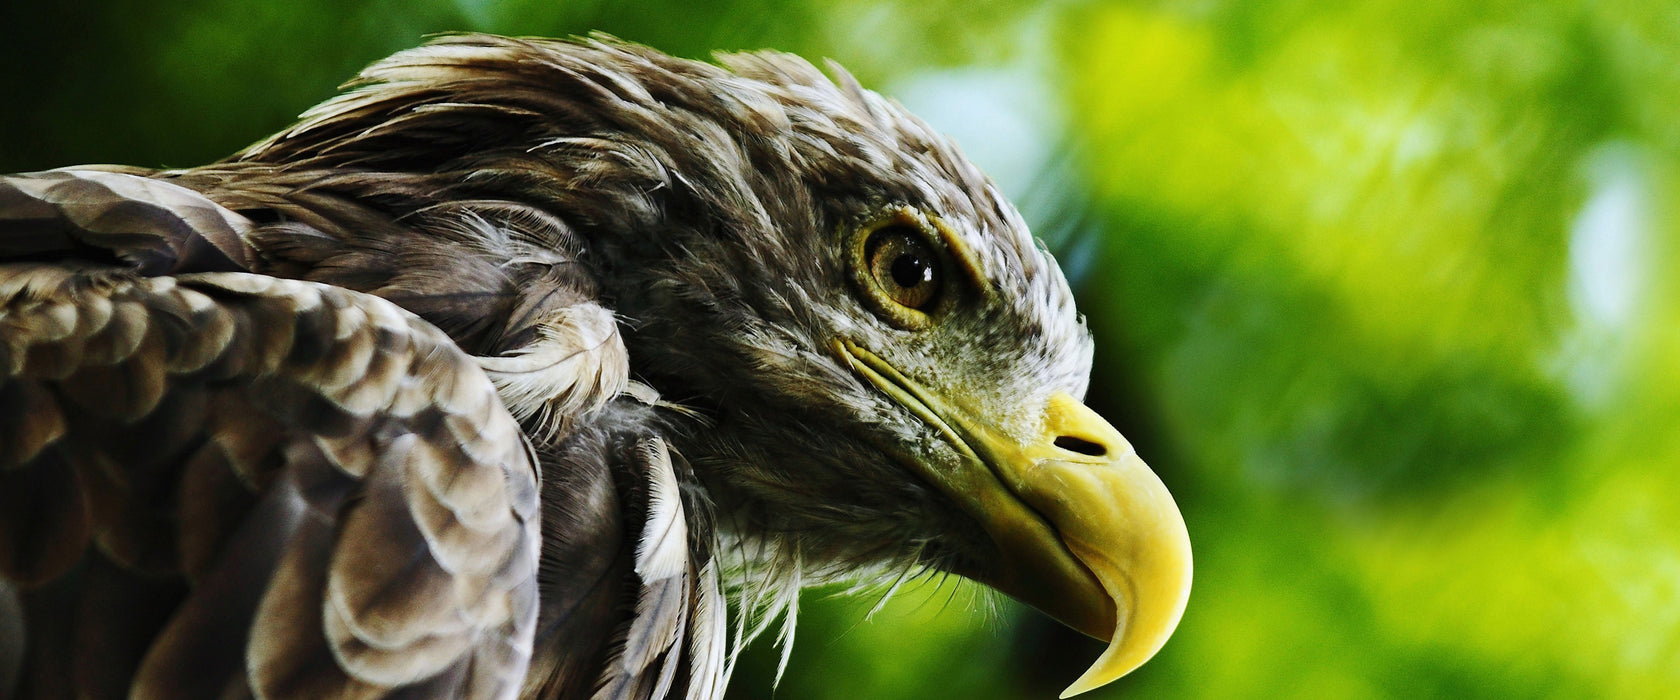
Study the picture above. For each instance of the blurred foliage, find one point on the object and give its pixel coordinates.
(1381, 288)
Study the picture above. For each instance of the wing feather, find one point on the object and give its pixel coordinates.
(186, 423)
(153, 225)
(274, 447)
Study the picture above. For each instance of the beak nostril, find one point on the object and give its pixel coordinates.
(1084, 447)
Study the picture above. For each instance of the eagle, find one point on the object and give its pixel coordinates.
(530, 368)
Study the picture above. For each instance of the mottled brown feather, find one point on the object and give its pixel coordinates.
(185, 437)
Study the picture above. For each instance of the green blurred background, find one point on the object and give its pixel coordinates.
(1380, 288)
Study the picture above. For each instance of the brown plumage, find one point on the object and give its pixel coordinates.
(495, 375)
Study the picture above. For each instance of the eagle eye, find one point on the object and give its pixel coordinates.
(898, 268)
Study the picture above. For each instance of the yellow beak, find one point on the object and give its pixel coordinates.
(1084, 530)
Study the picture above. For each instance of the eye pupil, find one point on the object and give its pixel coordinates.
(909, 270)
